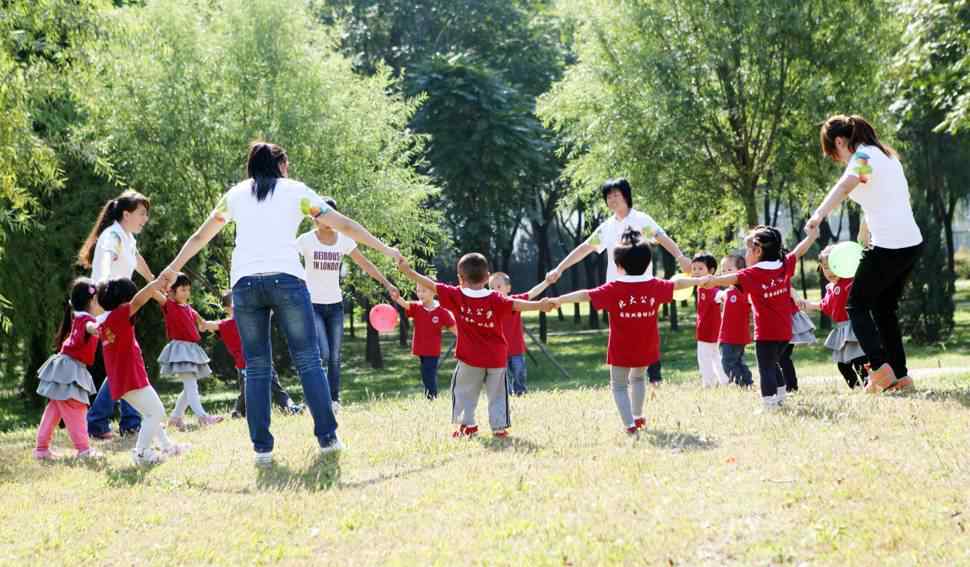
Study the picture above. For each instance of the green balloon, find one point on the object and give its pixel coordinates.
(844, 259)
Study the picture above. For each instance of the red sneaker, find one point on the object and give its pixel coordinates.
(501, 433)
(640, 423)
(632, 430)
(465, 431)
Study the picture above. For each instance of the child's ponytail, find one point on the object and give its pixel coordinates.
(82, 292)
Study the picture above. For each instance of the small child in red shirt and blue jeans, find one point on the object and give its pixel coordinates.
(481, 352)
(632, 301)
(513, 331)
(430, 318)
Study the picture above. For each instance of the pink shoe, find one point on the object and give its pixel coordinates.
(91, 453)
(210, 419)
(177, 423)
(45, 455)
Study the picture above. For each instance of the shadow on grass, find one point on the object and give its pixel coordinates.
(322, 473)
(515, 444)
(812, 409)
(962, 396)
(128, 476)
(678, 440)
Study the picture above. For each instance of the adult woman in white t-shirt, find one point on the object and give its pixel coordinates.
(267, 279)
(875, 180)
(111, 251)
(618, 196)
(323, 250)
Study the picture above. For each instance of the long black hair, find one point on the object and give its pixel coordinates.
(265, 167)
(78, 299)
(114, 210)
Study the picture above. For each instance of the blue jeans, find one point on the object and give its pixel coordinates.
(732, 360)
(517, 373)
(255, 299)
(429, 375)
(103, 409)
(329, 321)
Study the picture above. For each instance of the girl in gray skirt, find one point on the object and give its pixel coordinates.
(182, 357)
(64, 378)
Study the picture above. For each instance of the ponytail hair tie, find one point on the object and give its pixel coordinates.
(92, 290)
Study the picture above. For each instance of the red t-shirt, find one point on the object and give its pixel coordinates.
(512, 329)
(180, 322)
(836, 296)
(79, 345)
(708, 316)
(229, 333)
(479, 315)
(735, 318)
(123, 361)
(428, 324)
(632, 302)
(769, 286)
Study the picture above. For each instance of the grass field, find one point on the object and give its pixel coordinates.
(837, 478)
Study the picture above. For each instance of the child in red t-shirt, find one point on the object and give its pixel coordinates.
(735, 332)
(632, 301)
(64, 379)
(429, 320)
(846, 352)
(183, 357)
(481, 352)
(228, 333)
(767, 281)
(513, 331)
(708, 324)
(127, 377)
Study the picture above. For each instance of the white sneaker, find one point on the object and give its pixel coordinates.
(146, 458)
(264, 459)
(781, 395)
(336, 407)
(334, 446)
(91, 453)
(176, 449)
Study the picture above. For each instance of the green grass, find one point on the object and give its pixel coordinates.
(838, 478)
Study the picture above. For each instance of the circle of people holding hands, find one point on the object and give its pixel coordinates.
(267, 279)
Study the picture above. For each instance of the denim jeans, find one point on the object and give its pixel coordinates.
(517, 374)
(329, 321)
(103, 408)
(429, 375)
(732, 360)
(255, 299)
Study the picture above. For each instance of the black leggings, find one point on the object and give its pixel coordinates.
(787, 369)
(769, 355)
(854, 372)
(874, 299)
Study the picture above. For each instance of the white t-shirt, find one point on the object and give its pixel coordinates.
(322, 262)
(883, 194)
(122, 249)
(607, 235)
(266, 230)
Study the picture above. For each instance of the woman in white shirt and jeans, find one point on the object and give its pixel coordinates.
(111, 251)
(875, 180)
(323, 250)
(267, 279)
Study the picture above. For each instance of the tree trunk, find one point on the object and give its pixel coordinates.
(38, 349)
(350, 312)
(540, 232)
(403, 333)
(373, 350)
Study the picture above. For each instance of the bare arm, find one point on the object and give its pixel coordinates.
(864, 234)
(193, 245)
(542, 305)
(144, 295)
(355, 230)
(682, 282)
(575, 256)
(208, 326)
(670, 246)
(834, 198)
(806, 243)
(717, 281)
(373, 271)
(580, 296)
(538, 288)
(142, 268)
(401, 301)
(407, 270)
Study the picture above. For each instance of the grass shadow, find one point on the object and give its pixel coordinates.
(812, 409)
(962, 396)
(321, 474)
(515, 444)
(679, 440)
(127, 476)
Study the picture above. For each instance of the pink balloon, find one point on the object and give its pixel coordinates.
(383, 317)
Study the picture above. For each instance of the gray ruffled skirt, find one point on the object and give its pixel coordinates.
(843, 343)
(65, 378)
(802, 329)
(184, 360)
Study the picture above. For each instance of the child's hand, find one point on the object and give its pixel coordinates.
(547, 305)
(393, 292)
(402, 264)
(553, 276)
